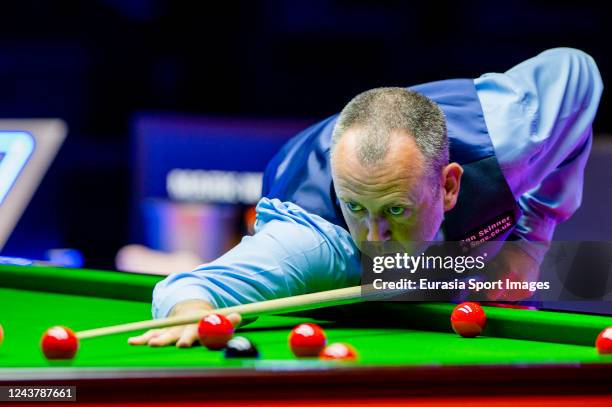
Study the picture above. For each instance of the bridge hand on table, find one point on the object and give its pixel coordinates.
(183, 336)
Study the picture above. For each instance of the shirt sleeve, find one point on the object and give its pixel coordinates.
(539, 115)
(292, 252)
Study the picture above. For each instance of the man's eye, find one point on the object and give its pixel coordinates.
(353, 207)
(395, 210)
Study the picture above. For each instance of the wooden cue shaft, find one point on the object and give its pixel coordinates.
(280, 305)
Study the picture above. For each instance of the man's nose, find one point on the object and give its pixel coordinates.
(378, 231)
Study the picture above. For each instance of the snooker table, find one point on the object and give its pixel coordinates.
(407, 351)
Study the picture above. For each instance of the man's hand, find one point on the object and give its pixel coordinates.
(183, 336)
(514, 264)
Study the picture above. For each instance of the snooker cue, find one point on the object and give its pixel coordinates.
(296, 303)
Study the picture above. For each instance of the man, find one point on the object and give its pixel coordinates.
(381, 171)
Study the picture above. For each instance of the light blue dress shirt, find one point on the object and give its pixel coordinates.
(539, 117)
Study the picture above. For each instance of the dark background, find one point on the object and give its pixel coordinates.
(96, 63)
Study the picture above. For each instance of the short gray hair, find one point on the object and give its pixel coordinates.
(379, 111)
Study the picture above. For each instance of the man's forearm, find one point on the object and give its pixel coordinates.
(293, 252)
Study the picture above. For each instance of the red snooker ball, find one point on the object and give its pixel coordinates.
(215, 330)
(1, 334)
(307, 340)
(59, 343)
(338, 351)
(603, 343)
(468, 319)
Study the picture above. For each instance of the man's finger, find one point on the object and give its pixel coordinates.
(168, 337)
(235, 319)
(144, 338)
(188, 336)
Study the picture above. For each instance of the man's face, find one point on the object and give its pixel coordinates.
(391, 200)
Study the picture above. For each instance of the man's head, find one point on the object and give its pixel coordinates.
(390, 166)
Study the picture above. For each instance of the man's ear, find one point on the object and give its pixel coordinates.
(451, 182)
